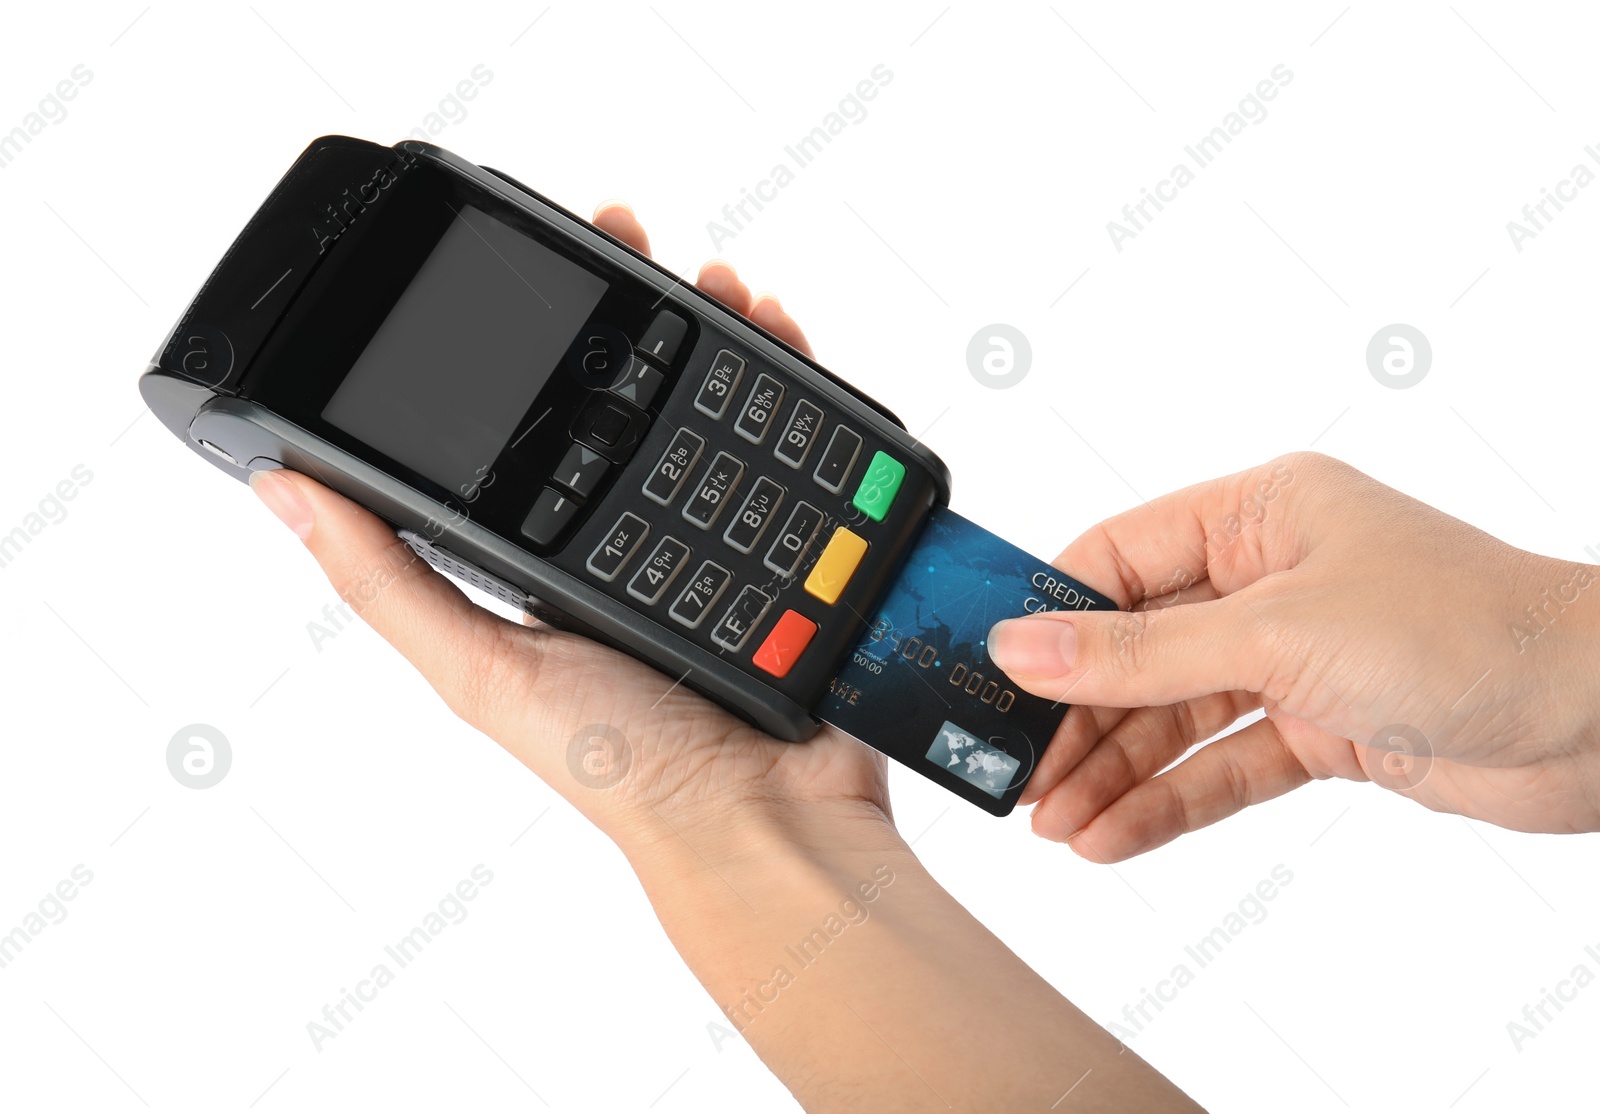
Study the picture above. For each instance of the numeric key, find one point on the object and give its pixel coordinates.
(791, 545)
(721, 381)
(758, 409)
(759, 506)
(676, 463)
(797, 436)
(700, 594)
(655, 576)
(612, 554)
(706, 502)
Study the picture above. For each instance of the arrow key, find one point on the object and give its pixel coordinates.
(580, 470)
(639, 385)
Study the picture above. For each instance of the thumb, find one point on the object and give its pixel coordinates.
(1135, 659)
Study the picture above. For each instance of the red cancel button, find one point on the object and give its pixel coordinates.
(785, 644)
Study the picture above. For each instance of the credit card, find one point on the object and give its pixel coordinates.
(920, 686)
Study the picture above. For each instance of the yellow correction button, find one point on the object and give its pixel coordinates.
(836, 566)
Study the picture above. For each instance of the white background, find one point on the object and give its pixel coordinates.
(976, 190)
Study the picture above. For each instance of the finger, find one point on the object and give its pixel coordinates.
(465, 652)
(617, 219)
(719, 279)
(1138, 659)
(1144, 743)
(1080, 729)
(1245, 768)
(1213, 529)
(770, 315)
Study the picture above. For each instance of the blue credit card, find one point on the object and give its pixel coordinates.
(920, 686)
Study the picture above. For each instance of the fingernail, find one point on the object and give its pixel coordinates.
(767, 296)
(1036, 647)
(284, 500)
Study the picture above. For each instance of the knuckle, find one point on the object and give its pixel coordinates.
(1232, 780)
(1307, 461)
(1316, 471)
(1173, 810)
(1183, 722)
(1130, 646)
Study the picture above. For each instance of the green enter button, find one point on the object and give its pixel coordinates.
(878, 487)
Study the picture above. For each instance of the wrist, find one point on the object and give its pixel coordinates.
(735, 896)
(1557, 636)
(754, 838)
(1583, 674)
